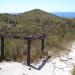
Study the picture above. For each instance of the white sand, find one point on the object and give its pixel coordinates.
(62, 65)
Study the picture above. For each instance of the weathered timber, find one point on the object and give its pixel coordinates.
(42, 48)
(34, 37)
(28, 38)
(28, 52)
(2, 48)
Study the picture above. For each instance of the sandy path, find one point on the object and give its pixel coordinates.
(61, 65)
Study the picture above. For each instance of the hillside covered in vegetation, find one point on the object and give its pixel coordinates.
(59, 31)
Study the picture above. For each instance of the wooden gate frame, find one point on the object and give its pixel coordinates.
(28, 38)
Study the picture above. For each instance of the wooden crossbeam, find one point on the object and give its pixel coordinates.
(34, 37)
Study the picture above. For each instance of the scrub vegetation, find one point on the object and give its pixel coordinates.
(60, 32)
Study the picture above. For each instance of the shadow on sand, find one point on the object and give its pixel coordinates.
(43, 63)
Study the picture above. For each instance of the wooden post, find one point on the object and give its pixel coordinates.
(2, 48)
(28, 52)
(42, 48)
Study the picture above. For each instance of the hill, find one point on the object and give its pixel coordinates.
(59, 31)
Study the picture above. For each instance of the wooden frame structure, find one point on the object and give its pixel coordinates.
(28, 38)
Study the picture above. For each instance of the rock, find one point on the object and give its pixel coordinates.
(63, 58)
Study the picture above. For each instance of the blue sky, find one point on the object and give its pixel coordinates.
(18, 6)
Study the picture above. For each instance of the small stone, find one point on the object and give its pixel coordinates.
(69, 57)
(29, 68)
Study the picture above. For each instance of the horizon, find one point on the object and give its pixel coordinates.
(20, 6)
(31, 10)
